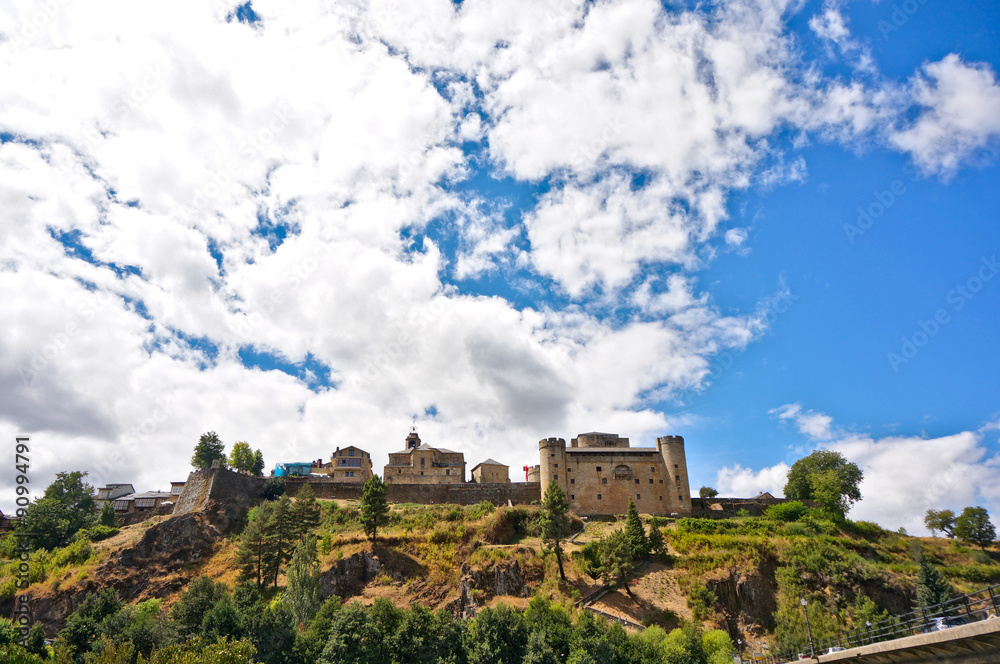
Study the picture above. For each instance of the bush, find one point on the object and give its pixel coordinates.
(793, 510)
(97, 533)
(506, 524)
(480, 510)
(76, 553)
(274, 488)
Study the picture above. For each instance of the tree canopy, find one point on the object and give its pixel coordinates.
(208, 449)
(553, 520)
(374, 506)
(707, 492)
(245, 459)
(973, 526)
(943, 520)
(827, 478)
(66, 507)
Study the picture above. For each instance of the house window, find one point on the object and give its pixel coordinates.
(652, 469)
(572, 481)
(422, 462)
(350, 452)
(447, 472)
(421, 472)
(598, 496)
(604, 480)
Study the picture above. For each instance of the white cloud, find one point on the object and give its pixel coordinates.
(960, 115)
(904, 476)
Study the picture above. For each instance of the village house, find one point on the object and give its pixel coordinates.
(420, 463)
(490, 472)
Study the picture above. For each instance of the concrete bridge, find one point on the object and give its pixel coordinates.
(975, 643)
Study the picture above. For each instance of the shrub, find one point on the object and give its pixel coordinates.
(506, 524)
(480, 510)
(793, 510)
(76, 553)
(97, 533)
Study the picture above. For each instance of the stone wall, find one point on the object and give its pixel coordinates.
(458, 494)
(218, 484)
(725, 508)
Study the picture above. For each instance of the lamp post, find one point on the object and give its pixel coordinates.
(868, 624)
(812, 649)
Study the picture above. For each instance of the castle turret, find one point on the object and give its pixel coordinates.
(671, 448)
(552, 461)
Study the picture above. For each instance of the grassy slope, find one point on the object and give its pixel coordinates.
(742, 573)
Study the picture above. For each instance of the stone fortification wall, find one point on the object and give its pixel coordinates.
(218, 484)
(725, 508)
(458, 494)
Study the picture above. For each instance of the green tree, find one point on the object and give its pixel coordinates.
(617, 561)
(243, 458)
(222, 620)
(828, 478)
(208, 449)
(84, 626)
(258, 464)
(657, 544)
(306, 513)
(973, 526)
(717, 646)
(255, 553)
(303, 593)
(707, 492)
(931, 587)
(66, 507)
(497, 635)
(374, 506)
(635, 533)
(107, 517)
(282, 534)
(553, 520)
(943, 520)
(199, 598)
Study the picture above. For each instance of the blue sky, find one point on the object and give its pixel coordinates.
(302, 226)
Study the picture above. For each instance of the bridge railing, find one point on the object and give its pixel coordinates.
(980, 605)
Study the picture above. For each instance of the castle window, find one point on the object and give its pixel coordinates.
(604, 480)
(652, 469)
(661, 481)
(637, 480)
(557, 465)
(676, 466)
(572, 496)
(421, 472)
(661, 497)
(623, 472)
(598, 469)
(572, 481)
(650, 480)
(638, 497)
(569, 470)
(681, 498)
(677, 478)
(598, 496)
(447, 472)
(421, 462)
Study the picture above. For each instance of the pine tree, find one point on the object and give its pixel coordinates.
(374, 506)
(305, 510)
(635, 533)
(303, 593)
(255, 554)
(208, 449)
(656, 542)
(258, 464)
(553, 519)
(107, 517)
(931, 587)
(616, 559)
(281, 531)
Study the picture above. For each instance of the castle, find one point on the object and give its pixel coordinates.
(600, 473)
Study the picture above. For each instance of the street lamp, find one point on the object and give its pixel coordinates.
(868, 624)
(812, 649)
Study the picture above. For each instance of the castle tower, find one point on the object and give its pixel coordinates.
(671, 449)
(552, 461)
